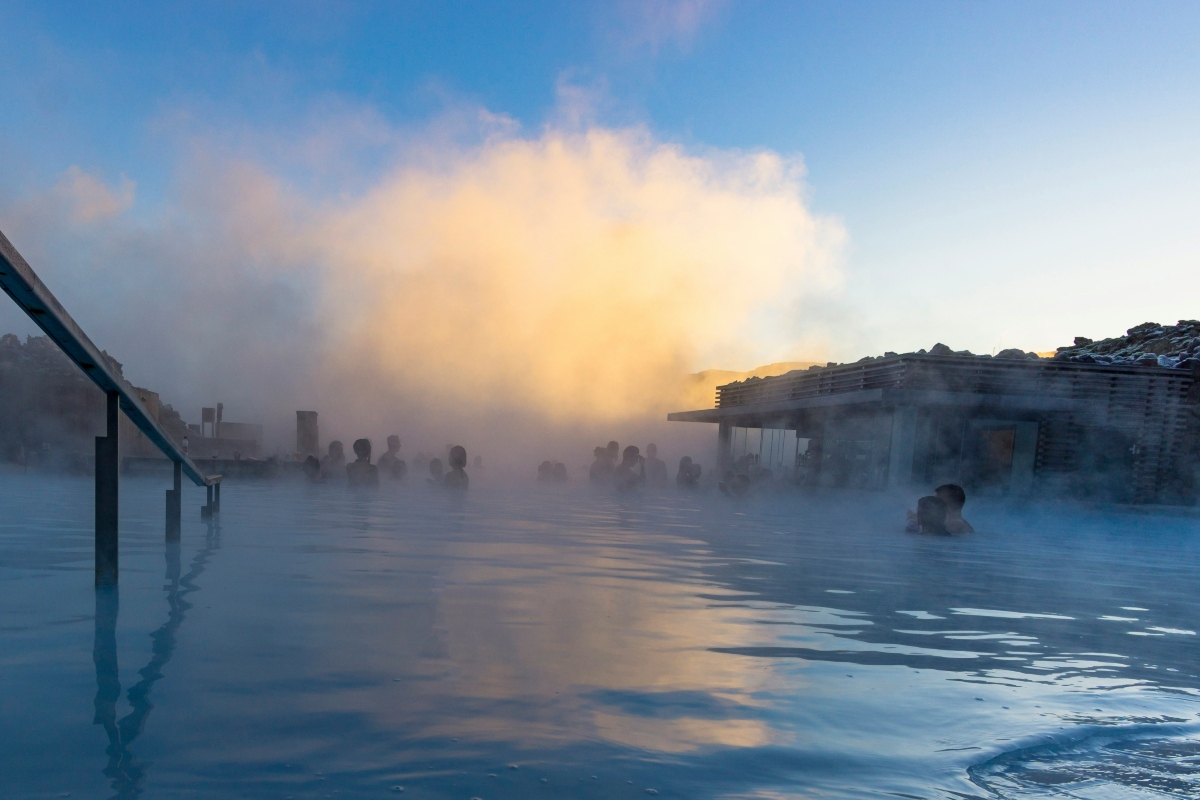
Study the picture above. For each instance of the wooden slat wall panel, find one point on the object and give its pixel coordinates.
(1148, 405)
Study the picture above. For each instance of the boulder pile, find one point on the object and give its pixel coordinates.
(1148, 344)
(938, 349)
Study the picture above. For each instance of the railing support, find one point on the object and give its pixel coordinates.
(206, 510)
(107, 466)
(21, 283)
(175, 505)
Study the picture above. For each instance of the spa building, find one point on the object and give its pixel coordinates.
(994, 425)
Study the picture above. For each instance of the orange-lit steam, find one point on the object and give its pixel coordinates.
(579, 276)
(562, 285)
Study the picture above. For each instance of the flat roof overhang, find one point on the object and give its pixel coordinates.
(883, 398)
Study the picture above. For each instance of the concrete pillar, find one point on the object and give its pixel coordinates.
(724, 447)
(206, 510)
(175, 505)
(307, 440)
(903, 447)
(217, 499)
(1024, 458)
(107, 469)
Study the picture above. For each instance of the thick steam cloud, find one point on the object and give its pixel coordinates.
(576, 276)
(579, 276)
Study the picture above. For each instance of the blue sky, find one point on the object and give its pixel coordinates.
(1008, 174)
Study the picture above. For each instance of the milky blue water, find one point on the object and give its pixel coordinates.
(561, 643)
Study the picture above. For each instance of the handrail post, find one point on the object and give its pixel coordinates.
(175, 504)
(19, 281)
(107, 482)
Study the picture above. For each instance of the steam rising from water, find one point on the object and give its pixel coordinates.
(574, 277)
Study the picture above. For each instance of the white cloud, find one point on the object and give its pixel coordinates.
(87, 199)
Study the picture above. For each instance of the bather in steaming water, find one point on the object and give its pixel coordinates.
(955, 498)
(552, 472)
(688, 476)
(943, 516)
(457, 478)
(656, 468)
(390, 463)
(631, 473)
(333, 464)
(362, 472)
(602, 467)
(930, 517)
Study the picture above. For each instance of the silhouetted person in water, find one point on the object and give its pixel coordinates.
(552, 472)
(656, 468)
(735, 483)
(955, 498)
(614, 453)
(931, 516)
(601, 470)
(334, 461)
(632, 471)
(312, 469)
(362, 472)
(689, 474)
(390, 463)
(435, 472)
(457, 478)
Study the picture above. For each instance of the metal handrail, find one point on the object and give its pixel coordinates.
(21, 283)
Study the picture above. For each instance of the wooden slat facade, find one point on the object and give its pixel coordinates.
(1150, 409)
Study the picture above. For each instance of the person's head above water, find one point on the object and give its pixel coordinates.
(335, 449)
(685, 463)
(614, 450)
(952, 495)
(651, 451)
(631, 454)
(393, 443)
(362, 449)
(458, 457)
(931, 515)
(600, 452)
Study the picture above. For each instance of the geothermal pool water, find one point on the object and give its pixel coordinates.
(562, 643)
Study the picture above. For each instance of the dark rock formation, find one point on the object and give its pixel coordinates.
(1148, 344)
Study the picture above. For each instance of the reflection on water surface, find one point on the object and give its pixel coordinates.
(562, 643)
